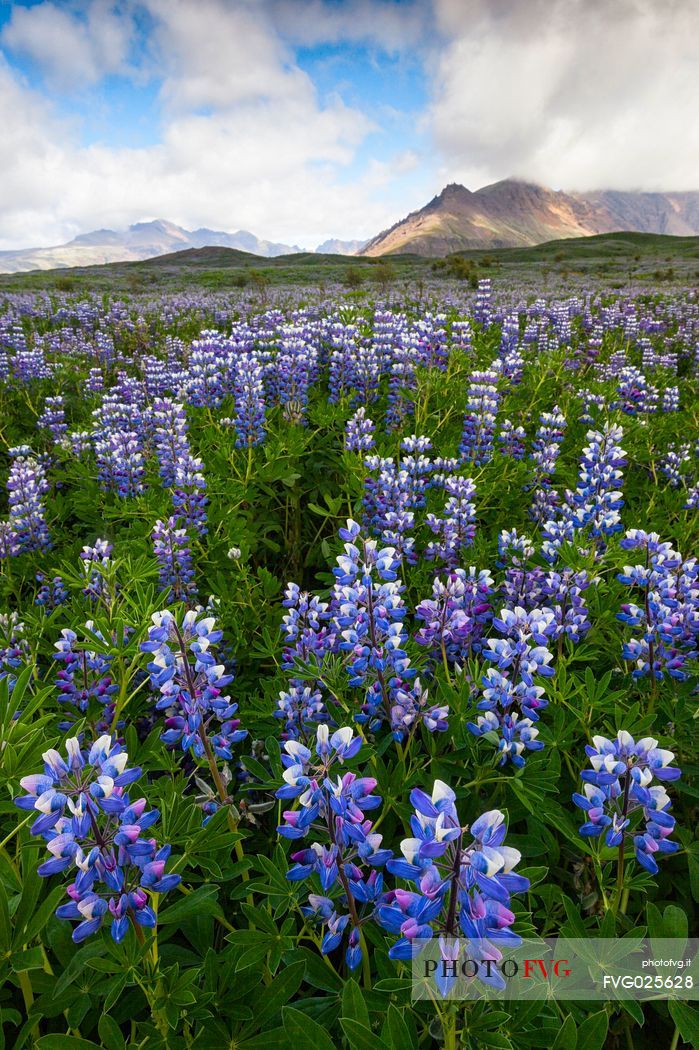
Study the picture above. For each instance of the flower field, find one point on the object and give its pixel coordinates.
(331, 626)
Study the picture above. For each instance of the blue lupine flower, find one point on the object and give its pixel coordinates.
(359, 432)
(89, 823)
(482, 404)
(597, 501)
(26, 488)
(509, 688)
(619, 784)
(333, 807)
(668, 618)
(184, 671)
(172, 550)
(85, 673)
(464, 879)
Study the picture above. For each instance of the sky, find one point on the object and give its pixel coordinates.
(301, 120)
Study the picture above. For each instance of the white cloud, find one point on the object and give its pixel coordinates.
(393, 25)
(72, 46)
(245, 141)
(581, 94)
(573, 93)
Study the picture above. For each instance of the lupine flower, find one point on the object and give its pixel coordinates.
(14, 646)
(668, 617)
(97, 561)
(511, 440)
(481, 410)
(249, 401)
(121, 463)
(189, 498)
(184, 671)
(410, 709)
(596, 502)
(546, 446)
(482, 308)
(456, 527)
(168, 421)
(508, 688)
(89, 823)
(302, 707)
(174, 556)
(26, 487)
(305, 628)
(455, 616)
(51, 593)
(368, 614)
(359, 432)
(53, 418)
(333, 809)
(672, 463)
(620, 783)
(463, 877)
(85, 673)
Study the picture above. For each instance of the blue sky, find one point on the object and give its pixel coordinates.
(306, 119)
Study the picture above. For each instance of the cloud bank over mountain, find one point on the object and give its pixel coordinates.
(325, 120)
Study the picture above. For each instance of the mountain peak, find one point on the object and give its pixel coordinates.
(515, 212)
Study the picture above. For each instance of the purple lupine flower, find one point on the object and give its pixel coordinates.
(249, 401)
(26, 487)
(189, 498)
(97, 563)
(89, 822)
(410, 708)
(482, 403)
(120, 463)
(14, 646)
(359, 432)
(53, 418)
(672, 463)
(463, 877)
(456, 615)
(482, 308)
(167, 420)
(302, 707)
(174, 556)
(456, 527)
(618, 784)
(668, 617)
(85, 673)
(305, 628)
(509, 687)
(345, 854)
(295, 367)
(368, 612)
(511, 440)
(191, 684)
(51, 593)
(596, 502)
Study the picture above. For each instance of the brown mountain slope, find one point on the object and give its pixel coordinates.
(511, 214)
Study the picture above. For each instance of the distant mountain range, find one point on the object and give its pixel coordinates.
(145, 240)
(507, 214)
(513, 214)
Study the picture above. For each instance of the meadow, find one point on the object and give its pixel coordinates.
(334, 620)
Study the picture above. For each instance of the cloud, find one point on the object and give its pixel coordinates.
(73, 47)
(392, 25)
(581, 94)
(245, 141)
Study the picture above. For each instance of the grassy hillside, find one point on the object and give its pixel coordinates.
(612, 257)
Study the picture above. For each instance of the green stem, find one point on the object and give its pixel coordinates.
(28, 997)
